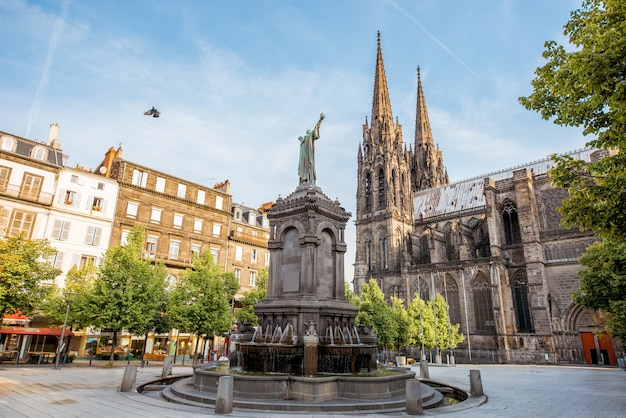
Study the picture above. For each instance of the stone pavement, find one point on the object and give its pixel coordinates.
(512, 391)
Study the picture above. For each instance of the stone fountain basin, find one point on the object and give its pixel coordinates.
(312, 389)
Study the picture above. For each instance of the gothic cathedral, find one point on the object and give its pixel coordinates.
(491, 245)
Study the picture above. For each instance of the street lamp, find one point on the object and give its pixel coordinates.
(68, 301)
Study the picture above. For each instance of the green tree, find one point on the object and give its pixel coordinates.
(374, 311)
(603, 284)
(127, 291)
(25, 276)
(401, 318)
(448, 335)
(251, 298)
(421, 323)
(351, 297)
(77, 290)
(200, 303)
(586, 87)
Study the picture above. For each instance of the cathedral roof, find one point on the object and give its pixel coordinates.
(466, 195)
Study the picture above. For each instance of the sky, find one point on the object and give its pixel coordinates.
(237, 82)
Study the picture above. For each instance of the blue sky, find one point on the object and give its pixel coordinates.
(238, 81)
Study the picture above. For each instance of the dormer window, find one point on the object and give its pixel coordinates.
(39, 153)
(8, 143)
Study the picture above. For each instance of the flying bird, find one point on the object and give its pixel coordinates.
(153, 112)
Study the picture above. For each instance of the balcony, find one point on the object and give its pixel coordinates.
(36, 196)
(248, 238)
(166, 259)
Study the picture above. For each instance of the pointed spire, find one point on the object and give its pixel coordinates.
(428, 158)
(382, 117)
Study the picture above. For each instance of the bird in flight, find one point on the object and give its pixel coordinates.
(153, 112)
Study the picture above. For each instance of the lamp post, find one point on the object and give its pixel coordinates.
(68, 301)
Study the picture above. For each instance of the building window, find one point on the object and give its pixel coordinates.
(70, 198)
(124, 237)
(267, 259)
(483, 305)
(252, 279)
(237, 214)
(61, 230)
(100, 186)
(160, 185)
(384, 261)
(5, 174)
(174, 249)
(237, 273)
(238, 253)
(97, 204)
(56, 260)
(451, 293)
(520, 297)
(31, 186)
(8, 143)
(368, 192)
(140, 178)
(368, 255)
(39, 153)
(195, 249)
(251, 218)
(151, 246)
(93, 235)
(201, 198)
(253, 256)
(381, 190)
(178, 220)
(219, 202)
(155, 216)
(511, 223)
(217, 229)
(215, 252)
(182, 191)
(131, 209)
(87, 260)
(22, 223)
(74, 179)
(197, 225)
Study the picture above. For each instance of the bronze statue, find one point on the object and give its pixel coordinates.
(306, 166)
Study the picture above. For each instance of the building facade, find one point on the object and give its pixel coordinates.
(491, 245)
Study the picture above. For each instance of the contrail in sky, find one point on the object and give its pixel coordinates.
(431, 36)
(57, 29)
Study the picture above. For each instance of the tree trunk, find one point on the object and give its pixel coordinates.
(113, 345)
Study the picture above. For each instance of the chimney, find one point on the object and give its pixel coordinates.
(53, 141)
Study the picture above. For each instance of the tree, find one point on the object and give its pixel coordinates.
(374, 311)
(200, 303)
(603, 284)
(351, 297)
(587, 87)
(401, 318)
(251, 298)
(25, 276)
(422, 328)
(78, 283)
(127, 291)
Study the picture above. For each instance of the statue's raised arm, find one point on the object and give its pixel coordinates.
(306, 166)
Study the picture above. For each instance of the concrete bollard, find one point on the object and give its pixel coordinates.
(224, 399)
(424, 374)
(476, 383)
(414, 398)
(167, 366)
(130, 376)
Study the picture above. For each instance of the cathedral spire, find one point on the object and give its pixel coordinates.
(382, 117)
(429, 168)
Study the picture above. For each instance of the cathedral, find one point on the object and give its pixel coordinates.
(491, 245)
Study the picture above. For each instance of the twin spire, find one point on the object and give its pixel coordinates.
(428, 167)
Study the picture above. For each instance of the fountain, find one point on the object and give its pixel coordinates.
(307, 353)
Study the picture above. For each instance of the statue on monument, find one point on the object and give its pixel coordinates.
(306, 166)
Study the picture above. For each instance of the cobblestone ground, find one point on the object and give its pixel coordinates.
(512, 391)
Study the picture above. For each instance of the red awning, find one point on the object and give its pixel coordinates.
(35, 331)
